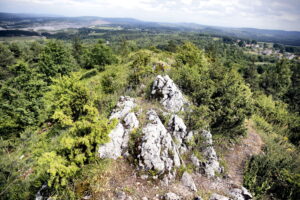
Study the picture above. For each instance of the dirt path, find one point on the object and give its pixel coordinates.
(237, 156)
(123, 177)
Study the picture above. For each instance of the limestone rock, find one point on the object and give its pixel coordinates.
(188, 181)
(171, 196)
(218, 197)
(168, 93)
(119, 136)
(179, 132)
(211, 165)
(240, 194)
(113, 149)
(158, 151)
(124, 106)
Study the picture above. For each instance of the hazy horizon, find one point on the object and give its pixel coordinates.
(267, 14)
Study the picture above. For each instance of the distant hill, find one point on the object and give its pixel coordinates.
(36, 20)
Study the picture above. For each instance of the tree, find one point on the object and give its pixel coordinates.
(55, 59)
(99, 56)
(6, 56)
(277, 79)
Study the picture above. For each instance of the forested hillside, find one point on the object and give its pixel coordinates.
(58, 98)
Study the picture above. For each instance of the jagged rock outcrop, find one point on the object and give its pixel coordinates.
(178, 130)
(168, 93)
(188, 181)
(119, 136)
(218, 197)
(210, 165)
(171, 196)
(157, 150)
(240, 194)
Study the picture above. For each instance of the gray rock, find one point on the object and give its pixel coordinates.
(178, 131)
(188, 181)
(113, 149)
(211, 165)
(168, 93)
(144, 198)
(218, 197)
(171, 196)
(240, 194)
(158, 151)
(119, 136)
(124, 106)
(130, 121)
(121, 195)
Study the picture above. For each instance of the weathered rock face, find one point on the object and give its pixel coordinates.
(178, 131)
(157, 151)
(171, 196)
(218, 197)
(240, 194)
(168, 93)
(211, 164)
(188, 181)
(119, 136)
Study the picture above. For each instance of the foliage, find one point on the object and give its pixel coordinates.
(276, 171)
(140, 67)
(222, 91)
(98, 56)
(55, 59)
(71, 106)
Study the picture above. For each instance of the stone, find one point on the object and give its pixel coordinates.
(168, 93)
(215, 196)
(240, 194)
(188, 181)
(144, 198)
(113, 149)
(171, 196)
(178, 131)
(158, 151)
(121, 195)
(211, 165)
(119, 136)
(123, 107)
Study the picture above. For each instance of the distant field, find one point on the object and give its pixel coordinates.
(21, 38)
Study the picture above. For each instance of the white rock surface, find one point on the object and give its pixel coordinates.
(188, 181)
(171, 196)
(240, 194)
(218, 197)
(168, 93)
(158, 151)
(119, 136)
(178, 130)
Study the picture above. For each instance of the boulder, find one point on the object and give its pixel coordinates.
(178, 130)
(157, 150)
(168, 93)
(211, 164)
(113, 149)
(171, 196)
(240, 194)
(119, 136)
(123, 107)
(188, 181)
(215, 196)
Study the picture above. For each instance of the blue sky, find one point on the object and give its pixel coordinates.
(267, 14)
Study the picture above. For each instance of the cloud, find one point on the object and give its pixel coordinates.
(273, 14)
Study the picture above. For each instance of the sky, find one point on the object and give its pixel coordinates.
(265, 14)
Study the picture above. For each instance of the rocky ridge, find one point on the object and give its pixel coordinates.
(161, 147)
